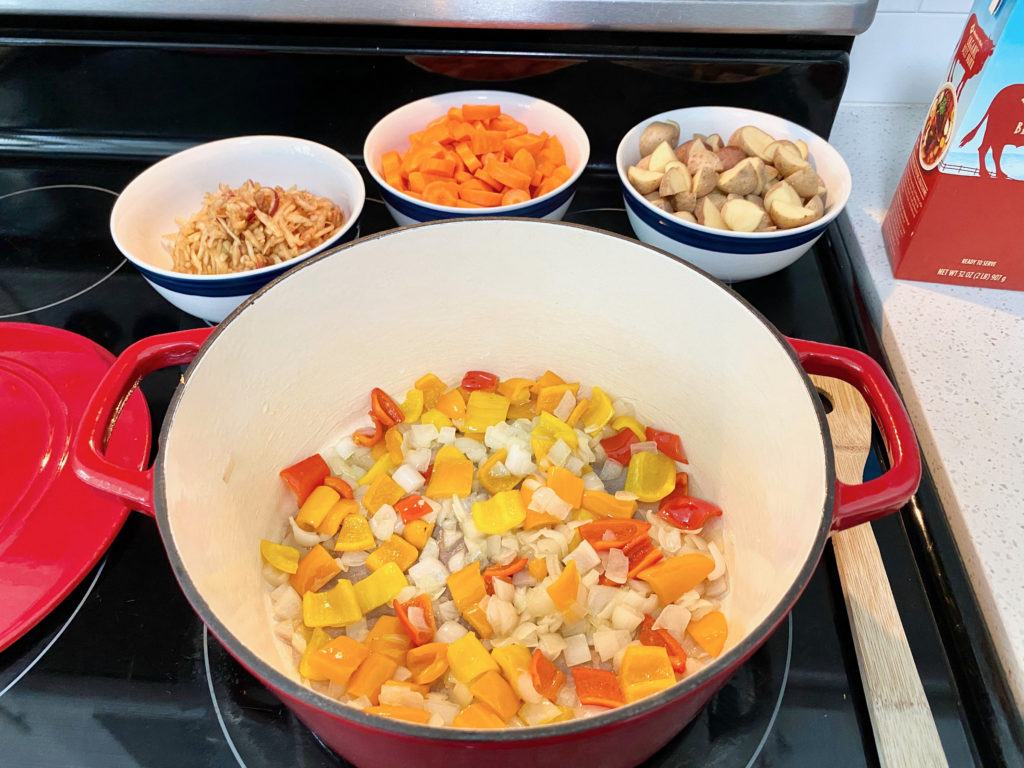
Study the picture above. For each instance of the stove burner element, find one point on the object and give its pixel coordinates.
(54, 245)
(731, 730)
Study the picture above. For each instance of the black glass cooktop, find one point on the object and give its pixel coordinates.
(123, 673)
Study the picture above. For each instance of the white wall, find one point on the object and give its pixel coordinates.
(903, 56)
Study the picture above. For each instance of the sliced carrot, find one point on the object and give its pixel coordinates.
(514, 196)
(503, 122)
(494, 140)
(478, 141)
(480, 111)
(507, 175)
(462, 177)
(493, 184)
(464, 151)
(553, 149)
(524, 162)
(462, 132)
(390, 162)
(479, 196)
(460, 203)
(441, 193)
(439, 165)
(438, 133)
(557, 178)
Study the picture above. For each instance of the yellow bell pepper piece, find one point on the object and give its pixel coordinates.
(516, 390)
(673, 576)
(337, 607)
(538, 568)
(378, 449)
(513, 659)
(599, 413)
(397, 712)
(380, 587)
(412, 407)
(709, 632)
(332, 522)
(650, 476)
(551, 427)
(388, 638)
(566, 485)
(496, 483)
(316, 506)
(468, 659)
(418, 532)
(605, 504)
(645, 669)
(316, 641)
(355, 535)
(435, 417)
(476, 617)
(393, 443)
(338, 659)
(452, 475)
(628, 422)
(541, 446)
(521, 411)
(383, 490)
(484, 409)
(452, 404)
(577, 412)
(500, 513)
(549, 397)
(395, 550)
(369, 676)
(549, 379)
(432, 389)
(565, 588)
(282, 557)
(383, 466)
(315, 569)
(427, 662)
(467, 586)
(478, 715)
(494, 691)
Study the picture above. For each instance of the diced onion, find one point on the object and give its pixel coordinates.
(565, 406)
(446, 435)
(429, 575)
(577, 651)
(551, 644)
(503, 590)
(400, 696)
(440, 706)
(402, 674)
(501, 615)
(520, 459)
(422, 435)
(592, 482)
(608, 642)
(546, 500)
(449, 632)
(409, 478)
(358, 630)
(624, 617)
(616, 567)
(474, 450)
(272, 576)
(559, 452)
(599, 597)
(383, 522)
(286, 602)
(647, 446)
(609, 471)
(354, 559)
(529, 694)
(719, 569)
(462, 694)
(448, 611)
(585, 556)
(405, 594)
(345, 447)
(419, 458)
(284, 629)
(304, 538)
(673, 618)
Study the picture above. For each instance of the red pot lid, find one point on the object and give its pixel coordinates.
(53, 527)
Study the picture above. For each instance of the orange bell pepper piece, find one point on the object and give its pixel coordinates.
(394, 712)
(648, 635)
(427, 662)
(344, 489)
(384, 408)
(478, 715)
(316, 568)
(432, 389)
(565, 589)
(388, 638)
(546, 677)
(605, 504)
(383, 490)
(306, 475)
(568, 486)
(709, 632)
(644, 670)
(338, 660)
(368, 678)
(612, 533)
(452, 404)
(597, 686)
(417, 617)
(452, 474)
(672, 577)
(467, 586)
(505, 572)
(493, 690)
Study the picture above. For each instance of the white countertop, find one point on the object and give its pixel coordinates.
(957, 354)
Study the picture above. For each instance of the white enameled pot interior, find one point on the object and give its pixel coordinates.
(290, 373)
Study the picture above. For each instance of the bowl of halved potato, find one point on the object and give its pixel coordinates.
(736, 192)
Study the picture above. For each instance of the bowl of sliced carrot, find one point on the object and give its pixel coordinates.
(476, 153)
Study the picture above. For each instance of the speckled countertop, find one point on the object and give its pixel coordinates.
(957, 354)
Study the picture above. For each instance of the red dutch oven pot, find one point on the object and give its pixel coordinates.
(289, 373)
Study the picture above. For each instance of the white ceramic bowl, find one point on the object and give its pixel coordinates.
(731, 256)
(174, 187)
(392, 132)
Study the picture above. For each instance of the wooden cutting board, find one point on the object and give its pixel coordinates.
(901, 719)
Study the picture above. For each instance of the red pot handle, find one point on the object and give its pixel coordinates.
(88, 452)
(856, 504)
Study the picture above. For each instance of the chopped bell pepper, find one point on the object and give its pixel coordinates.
(417, 617)
(344, 489)
(427, 662)
(598, 687)
(641, 553)
(505, 572)
(417, 533)
(577, 412)
(316, 506)
(380, 587)
(338, 659)
(568, 486)
(384, 408)
(538, 568)
(484, 409)
(337, 607)
(317, 640)
(540, 447)
(516, 390)
(306, 475)
(467, 586)
(478, 715)
(634, 426)
(366, 438)
(500, 513)
(548, 398)
(316, 568)
(645, 670)
(452, 404)
(388, 637)
(383, 490)
(468, 659)
(549, 379)
(648, 635)
(412, 407)
(514, 659)
(479, 381)
(452, 475)
(546, 677)
(550, 427)
(369, 676)
(612, 533)
(564, 590)
(432, 389)
(395, 550)
(435, 417)
(599, 412)
(617, 447)
(495, 483)
(476, 617)
(668, 443)
(650, 476)
(382, 466)
(709, 632)
(332, 521)
(282, 557)
(393, 444)
(675, 575)
(397, 712)
(355, 535)
(605, 504)
(412, 507)
(494, 691)
(687, 512)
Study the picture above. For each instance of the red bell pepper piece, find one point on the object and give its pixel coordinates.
(597, 686)
(641, 554)
(682, 487)
(648, 635)
(365, 437)
(384, 408)
(612, 533)
(687, 512)
(428, 472)
(617, 446)
(479, 380)
(505, 572)
(303, 477)
(668, 443)
(419, 633)
(546, 677)
(344, 489)
(412, 508)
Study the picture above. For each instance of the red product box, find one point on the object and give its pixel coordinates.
(956, 214)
